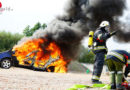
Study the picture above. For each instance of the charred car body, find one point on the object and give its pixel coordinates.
(7, 59)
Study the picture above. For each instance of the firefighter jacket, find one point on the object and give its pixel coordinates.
(99, 40)
(119, 56)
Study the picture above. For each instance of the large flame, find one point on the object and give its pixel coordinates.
(43, 53)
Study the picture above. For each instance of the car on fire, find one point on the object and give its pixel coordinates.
(7, 59)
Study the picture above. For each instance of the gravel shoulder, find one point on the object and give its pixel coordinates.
(17, 78)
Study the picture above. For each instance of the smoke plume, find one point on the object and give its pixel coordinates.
(79, 18)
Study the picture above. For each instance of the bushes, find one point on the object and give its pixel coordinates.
(8, 40)
(86, 56)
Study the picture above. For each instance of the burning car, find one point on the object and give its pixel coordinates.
(37, 55)
(41, 54)
(7, 59)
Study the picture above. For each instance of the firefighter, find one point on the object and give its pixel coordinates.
(116, 60)
(100, 49)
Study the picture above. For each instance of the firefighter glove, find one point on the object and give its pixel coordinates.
(113, 33)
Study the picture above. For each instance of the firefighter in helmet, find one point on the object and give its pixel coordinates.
(116, 60)
(99, 48)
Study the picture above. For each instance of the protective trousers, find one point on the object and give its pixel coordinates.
(98, 65)
(116, 73)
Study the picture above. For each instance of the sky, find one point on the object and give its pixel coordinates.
(29, 12)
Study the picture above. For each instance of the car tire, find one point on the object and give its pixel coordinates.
(6, 63)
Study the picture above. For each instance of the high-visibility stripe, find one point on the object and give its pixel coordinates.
(112, 72)
(119, 72)
(99, 47)
(95, 77)
(119, 56)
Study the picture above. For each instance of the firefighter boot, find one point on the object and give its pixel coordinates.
(119, 81)
(95, 80)
(113, 80)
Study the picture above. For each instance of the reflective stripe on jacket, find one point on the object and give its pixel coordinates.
(118, 55)
(99, 47)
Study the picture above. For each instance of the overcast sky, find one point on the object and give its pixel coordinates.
(29, 12)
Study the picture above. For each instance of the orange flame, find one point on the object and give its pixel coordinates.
(42, 56)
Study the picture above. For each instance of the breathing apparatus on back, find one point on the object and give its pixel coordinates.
(90, 39)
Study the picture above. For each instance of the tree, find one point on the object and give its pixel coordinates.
(36, 27)
(44, 26)
(29, 32)
(86, 56)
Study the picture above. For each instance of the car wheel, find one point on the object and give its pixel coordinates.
(6, 63)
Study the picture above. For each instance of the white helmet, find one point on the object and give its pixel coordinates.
(104, 24)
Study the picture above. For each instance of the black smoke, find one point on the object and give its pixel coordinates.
(79, 18)
(90, 13)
